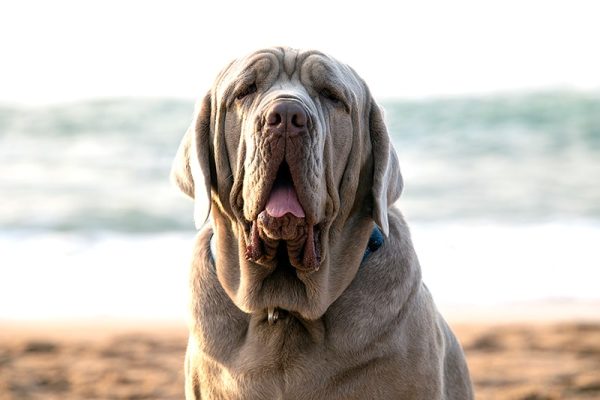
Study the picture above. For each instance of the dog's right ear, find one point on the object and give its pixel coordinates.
(191, 167)
(387, 179)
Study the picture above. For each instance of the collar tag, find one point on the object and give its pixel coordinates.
(273, 315)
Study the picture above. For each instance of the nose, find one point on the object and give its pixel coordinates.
(286, 117)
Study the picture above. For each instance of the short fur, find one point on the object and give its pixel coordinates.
(353, 329)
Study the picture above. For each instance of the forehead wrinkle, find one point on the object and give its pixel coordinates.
(290, 59)
(329, 71)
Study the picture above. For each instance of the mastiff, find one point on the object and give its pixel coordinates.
(304, 281)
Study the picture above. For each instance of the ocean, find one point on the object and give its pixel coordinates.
(502, 194)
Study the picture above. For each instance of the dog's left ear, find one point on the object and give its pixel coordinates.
(387, 180)
(191, 168)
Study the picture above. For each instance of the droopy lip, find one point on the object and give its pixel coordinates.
(268, 230)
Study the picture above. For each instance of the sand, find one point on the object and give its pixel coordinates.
(141, 360)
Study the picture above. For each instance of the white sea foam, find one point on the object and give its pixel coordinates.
(486, 264)
(65, 275)
(56, 275)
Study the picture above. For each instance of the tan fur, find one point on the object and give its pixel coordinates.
(353, 330)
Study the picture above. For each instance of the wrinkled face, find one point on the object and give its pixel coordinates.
(296, 160)
(288, 130)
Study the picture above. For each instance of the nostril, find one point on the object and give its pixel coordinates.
(299, 119)
(286, 117)
(274, 118)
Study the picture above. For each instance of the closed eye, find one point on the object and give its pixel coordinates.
(335, 98)
(331, 96)
(247, 90)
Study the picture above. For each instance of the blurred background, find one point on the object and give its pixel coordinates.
(493, 107)
(494, 110)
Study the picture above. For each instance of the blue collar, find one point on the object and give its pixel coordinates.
(375, 242)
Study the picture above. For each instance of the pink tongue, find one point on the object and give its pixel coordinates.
(283, 200)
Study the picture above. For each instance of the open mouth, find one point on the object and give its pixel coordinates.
(283, 198)
(283, 224)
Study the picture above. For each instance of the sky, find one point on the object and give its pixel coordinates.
(65, 50)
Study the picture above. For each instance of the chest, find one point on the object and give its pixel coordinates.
(289, 360)
(354, 351)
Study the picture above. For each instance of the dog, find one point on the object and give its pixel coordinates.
(304, 281)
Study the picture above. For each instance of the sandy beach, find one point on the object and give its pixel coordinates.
(544, 359)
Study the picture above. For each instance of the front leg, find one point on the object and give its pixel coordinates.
(192, 377)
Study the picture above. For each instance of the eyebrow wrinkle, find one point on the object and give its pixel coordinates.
(290, 58)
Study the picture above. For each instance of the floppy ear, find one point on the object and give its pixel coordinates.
(387, 180)
(191, 167)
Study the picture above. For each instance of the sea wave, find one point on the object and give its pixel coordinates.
(104, 165)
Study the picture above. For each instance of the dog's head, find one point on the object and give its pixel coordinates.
(296, 162)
